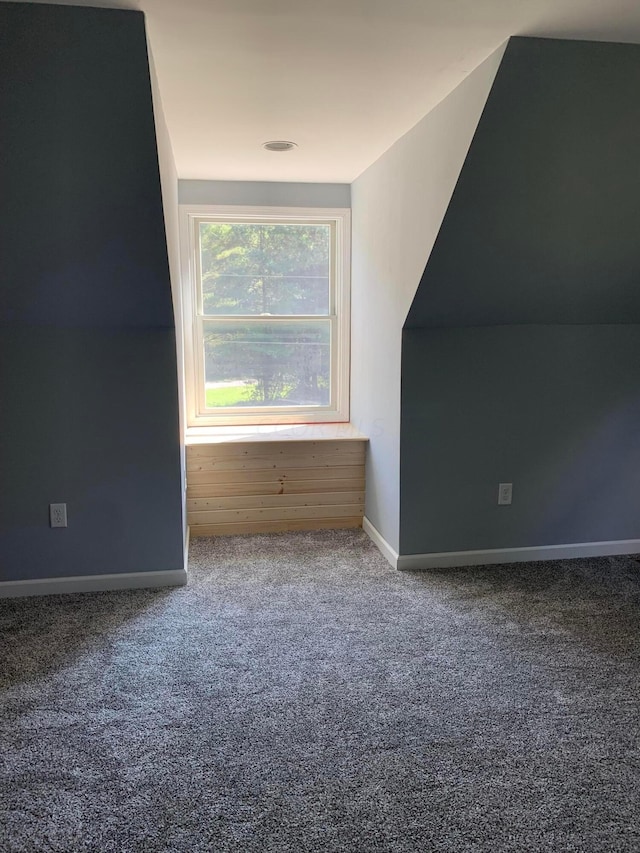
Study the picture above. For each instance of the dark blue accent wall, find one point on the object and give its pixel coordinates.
(88, 378)
(555, 410)
(521, 348)
(543, 224)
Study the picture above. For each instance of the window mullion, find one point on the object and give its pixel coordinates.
(265, 318)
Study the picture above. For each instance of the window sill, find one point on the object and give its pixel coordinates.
(273, 432)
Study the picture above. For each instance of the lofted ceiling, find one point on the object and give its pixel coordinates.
(342, 78)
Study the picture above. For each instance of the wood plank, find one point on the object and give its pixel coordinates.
(275, 487)
(255, 463)
(274, 449)
(246, 529)
(281, 473)
(273, 514)
(195, 505)
(243, 487)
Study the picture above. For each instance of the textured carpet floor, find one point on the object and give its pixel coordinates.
(300, 695)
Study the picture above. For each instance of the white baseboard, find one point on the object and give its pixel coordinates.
(93, 583)
(454, 559)
(380, 542)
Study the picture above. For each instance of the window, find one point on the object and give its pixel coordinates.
(266, 307)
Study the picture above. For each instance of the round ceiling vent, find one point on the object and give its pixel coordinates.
(279, 145)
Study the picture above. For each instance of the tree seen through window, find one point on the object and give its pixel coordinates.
(263, 286)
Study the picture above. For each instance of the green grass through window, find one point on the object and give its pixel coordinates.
(230, 396)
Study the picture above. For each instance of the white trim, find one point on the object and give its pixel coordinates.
(534, 553)
(452, 559)
(381, 543)
(274, 432)
(93, 583)
(187, 540)
(339, 317)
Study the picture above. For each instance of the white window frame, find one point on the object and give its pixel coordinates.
(338, 409)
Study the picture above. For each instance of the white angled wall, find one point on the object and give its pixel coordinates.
(169, 184)
(398, 204)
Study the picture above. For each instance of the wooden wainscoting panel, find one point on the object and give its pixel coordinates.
(277, 526)
(275, 474)
(277, 449)
(275, 487)
(259, 487)
(227, 502)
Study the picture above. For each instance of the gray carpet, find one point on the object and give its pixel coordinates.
(300, 695)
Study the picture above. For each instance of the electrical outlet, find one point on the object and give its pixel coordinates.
(505, 493)
(58, 515)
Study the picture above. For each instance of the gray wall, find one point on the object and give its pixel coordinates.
(88, 387)
(555, 410)
(513, 369)
(544, 221)
(265, 193)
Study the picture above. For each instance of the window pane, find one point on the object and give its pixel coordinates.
(253, 268)
(267, 364)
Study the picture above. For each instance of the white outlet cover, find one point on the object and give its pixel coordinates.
(505, 494)
(58, 515)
